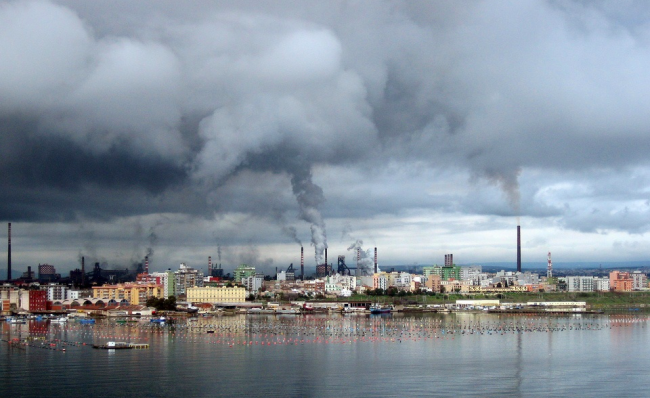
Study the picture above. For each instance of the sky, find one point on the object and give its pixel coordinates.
(243, 129)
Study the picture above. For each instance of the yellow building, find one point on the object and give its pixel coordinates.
(215, 295)
(135, 294)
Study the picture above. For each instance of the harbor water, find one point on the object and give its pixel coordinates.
(393, 355)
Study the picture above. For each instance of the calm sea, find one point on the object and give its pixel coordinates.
(468, 355)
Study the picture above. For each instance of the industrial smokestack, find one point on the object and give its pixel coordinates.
(209, 265)
(9, 255)
(375, 260)
(302, 263)
(146, 264)
(83, 271)
(326, 258)
(358, 256)
(518, 248)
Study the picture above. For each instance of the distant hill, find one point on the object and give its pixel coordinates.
(534, 266)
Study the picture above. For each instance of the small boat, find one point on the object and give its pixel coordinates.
(287, 311)
(260, 311)
(120, 345)
(62, 319)
(87, 321)
(16, 321)
(158, 320)
(380, 310)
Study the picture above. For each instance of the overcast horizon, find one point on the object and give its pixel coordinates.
(243, 129)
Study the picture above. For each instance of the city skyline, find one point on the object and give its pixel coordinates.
(419, 128)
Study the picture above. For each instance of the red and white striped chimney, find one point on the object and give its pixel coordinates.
(146, 264)
(209, 265)
(302, 263)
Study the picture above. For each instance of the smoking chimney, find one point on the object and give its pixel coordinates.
(146, 264)
(358, 256)
(518, 248)
(375, 260)
(302, 263)
(9, 255)
(209, 265)
(325, 258)
(83, 271)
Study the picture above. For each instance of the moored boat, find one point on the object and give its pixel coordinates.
(380, 310)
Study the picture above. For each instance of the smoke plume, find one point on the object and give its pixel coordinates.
(309, 197)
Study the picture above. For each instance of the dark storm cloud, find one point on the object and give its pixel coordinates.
(164, 107)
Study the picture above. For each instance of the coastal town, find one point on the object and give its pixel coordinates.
(438, 288)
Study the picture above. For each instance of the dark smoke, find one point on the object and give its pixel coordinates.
(310, 197)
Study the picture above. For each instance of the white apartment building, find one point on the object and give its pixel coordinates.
(580, 283)
(601, 284)
(252, 284)
(57, 292)
(639, 280)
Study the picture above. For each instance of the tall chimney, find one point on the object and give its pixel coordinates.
(518, 248)
(209, 265)
(358, 256)
(146, 264)
(375, 260)
(9, 256)
(83, 271)
(302, 263)
(326, 259)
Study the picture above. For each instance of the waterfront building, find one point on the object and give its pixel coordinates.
(216, 295)
(580, 283)
(33, 300)
(400, 280)
(380, 281)
(56, 292)
(243, 271)
(10, 298)
(601, 284)
(454, 286)
(168, 281)
(187, 277)
(527, 278)
(639, 280)
(134, 294)
(433, 283)
(620, 281)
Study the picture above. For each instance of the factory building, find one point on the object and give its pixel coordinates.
(47, 273)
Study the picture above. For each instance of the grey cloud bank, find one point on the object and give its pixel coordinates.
(310, 115)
